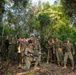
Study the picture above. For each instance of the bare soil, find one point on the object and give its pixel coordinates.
(45, 69)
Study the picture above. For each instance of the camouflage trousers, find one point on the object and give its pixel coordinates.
(59, 56)
(70, 56)
(49, 56)
(27, 64)
(38, 60)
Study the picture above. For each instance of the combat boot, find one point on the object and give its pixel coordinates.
(59, 64)
(72, 66)
(64, 67)
(75, 68)
(62, 63)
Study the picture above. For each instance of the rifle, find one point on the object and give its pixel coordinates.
(33, 55)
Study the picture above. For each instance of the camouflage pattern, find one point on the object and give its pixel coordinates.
(37, 51)
(12, 49)
(49, 51)
(31, 40)
(21, 47)
(50, 46)
(69, 51)
(4, 48)
(28, 58)
(59, 51)
(53, 51)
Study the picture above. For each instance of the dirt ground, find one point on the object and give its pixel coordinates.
(45, 69)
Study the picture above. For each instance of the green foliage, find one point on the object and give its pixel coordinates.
(59, 25)
(5, 64)
(2, 10)
(14, 24)
(1, 30)
(7, 73)
(23, 2)
(46, 5)
(69, 6)
(44, 19)
(49, 21)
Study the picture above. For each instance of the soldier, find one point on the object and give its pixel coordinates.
(48, 48)
(12, 49)
(21, 48)
(19, 51)
(5, 46)
(28, 57)
(69, 52)
(7, 42)
(53, 51)
(59, 52)
(37, 51)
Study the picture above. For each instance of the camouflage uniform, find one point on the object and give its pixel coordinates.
(4, 48)
(12, 50)
(48, 48)
(59, 52)
(28, 58)
(19, 53)
(69, 51)
(37, 51)
(31, 40)
(21, 48)
(53, 51)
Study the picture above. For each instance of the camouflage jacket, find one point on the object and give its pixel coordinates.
(58, 44)
(69, 47)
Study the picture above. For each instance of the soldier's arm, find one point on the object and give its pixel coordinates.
(61, 44)
(47, 46)
(54, 49)
(39, 47)
(23, 43)
(26, 52)
(64, 47)
(73, 51)
(32, 51)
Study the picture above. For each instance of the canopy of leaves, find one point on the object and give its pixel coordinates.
(23, 2)
(2, 9)
(44, 19)
(2, 6)
(59, 26)
(47, 20)
(69, 6)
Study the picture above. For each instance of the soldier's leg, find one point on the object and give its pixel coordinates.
(58, 60)
(61, 58)
(22, 58)
(28, 64)
(72, 60)
(37, 61)
(54, 58)
(19, 60)
(65, 59)
(51, 55)
(48, 56)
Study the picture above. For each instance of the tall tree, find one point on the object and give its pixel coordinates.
(70, 9)
(15, 13)
(2, 9)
